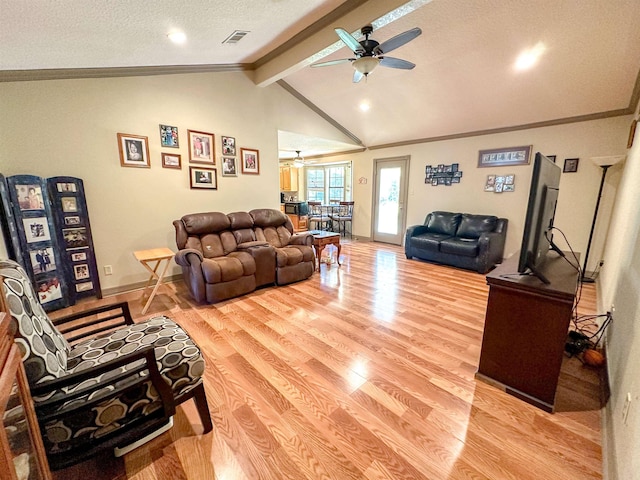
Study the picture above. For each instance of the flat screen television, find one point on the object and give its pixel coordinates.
(537, 238)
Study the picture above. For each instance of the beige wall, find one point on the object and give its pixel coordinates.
(619, 289)
(69, 127)
(578, 191)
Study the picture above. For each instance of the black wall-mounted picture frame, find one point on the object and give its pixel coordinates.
(570, 165)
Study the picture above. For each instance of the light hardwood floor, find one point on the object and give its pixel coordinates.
(365, 371)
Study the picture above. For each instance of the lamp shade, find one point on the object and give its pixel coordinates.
(608, 160)
(365, 65)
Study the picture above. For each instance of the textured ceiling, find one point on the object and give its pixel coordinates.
(464, 80)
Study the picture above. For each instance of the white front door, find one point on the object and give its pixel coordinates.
(389, 216)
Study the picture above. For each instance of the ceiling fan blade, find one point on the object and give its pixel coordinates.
(348, 39)
(332, 62)
(397, 41)
(357, 76)
(396, 63)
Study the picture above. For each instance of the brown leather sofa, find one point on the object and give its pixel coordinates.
(223, 256)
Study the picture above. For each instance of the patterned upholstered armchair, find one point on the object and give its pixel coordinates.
(108, 391)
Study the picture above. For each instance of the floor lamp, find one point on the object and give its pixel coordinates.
(604, 163)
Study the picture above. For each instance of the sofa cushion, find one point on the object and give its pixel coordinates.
(467, 247)
(275, 236)
(202, 223)
(472, 226)
(444, 222)
(210, 245)
(288, 256)
(428, 241)
(228, 268)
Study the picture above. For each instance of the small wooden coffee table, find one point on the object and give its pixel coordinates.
(153, 255)
(322, 239)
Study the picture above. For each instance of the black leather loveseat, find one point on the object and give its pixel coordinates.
(474, 242)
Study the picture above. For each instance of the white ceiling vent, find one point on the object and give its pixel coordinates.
(235, 37)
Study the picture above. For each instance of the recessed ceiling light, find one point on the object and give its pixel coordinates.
(529, 58)
(364, 106)
(177, 37)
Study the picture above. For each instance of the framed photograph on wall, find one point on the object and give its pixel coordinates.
(203, 178)
(169, 136)
(499, 157)
(570, 165)
(228, 146)
(171, 160)
(201, 147)
(229, 167)
(250, 161)
(134, 150)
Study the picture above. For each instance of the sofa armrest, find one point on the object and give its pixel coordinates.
(416, 230)
(184, 259)
(191, 262)
(491, 247)
(302, 238)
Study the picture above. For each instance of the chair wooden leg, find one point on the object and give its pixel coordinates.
(203, 408)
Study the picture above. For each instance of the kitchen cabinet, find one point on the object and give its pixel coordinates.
(289, 179)
(300, 222)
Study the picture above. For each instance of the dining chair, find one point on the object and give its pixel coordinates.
(318, 215)
(343, 215)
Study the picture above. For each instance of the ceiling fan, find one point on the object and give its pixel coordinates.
(299, 161)
(369, 53)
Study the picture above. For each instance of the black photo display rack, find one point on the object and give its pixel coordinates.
(73, 230)
(46, 226)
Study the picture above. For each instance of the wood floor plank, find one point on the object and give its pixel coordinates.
(364, 371)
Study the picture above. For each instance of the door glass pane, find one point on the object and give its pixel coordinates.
(389, 202)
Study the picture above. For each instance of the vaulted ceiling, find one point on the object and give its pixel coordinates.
(464, 82)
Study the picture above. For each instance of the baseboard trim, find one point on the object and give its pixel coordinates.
(108, 292)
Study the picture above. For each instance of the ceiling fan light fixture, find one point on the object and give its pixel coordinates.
(298, 161)
(366, 65)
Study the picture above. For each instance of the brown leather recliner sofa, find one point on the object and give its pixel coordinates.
(226, 255)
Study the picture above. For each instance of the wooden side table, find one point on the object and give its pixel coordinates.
(157, 255)
(322, 239)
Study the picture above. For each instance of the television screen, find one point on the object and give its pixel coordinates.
(541, 209)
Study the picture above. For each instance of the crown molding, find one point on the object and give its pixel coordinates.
(75, 73)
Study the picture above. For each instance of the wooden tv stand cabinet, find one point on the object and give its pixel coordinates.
(526, 328)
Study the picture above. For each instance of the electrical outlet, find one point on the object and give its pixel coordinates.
(626, 408)
(108, 270)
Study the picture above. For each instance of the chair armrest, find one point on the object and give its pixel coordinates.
(184, 257)
(147, 361)
(91, 322)
(302, 238)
